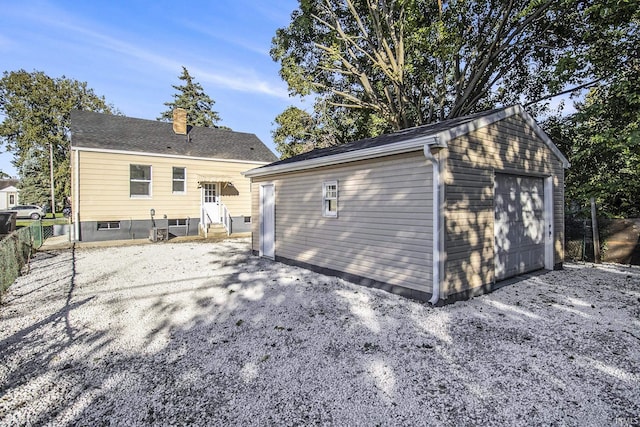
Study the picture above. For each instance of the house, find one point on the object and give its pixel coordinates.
(437, 212)
(8, 193)
(130, 176)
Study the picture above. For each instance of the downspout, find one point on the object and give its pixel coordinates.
(76, 198)
(436, 221)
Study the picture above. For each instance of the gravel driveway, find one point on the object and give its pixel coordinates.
(204, 333)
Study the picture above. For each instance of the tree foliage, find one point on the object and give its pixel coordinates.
(414, 62)
(36, 110)
(602, 139)
(299, 131)
(191, 97)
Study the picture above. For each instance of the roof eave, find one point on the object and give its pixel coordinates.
(439, 139)
(172, 156)
(465, 128)
(413, 144)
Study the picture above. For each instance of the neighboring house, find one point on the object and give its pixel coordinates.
(8, 193)
(129, 175)
(434, 212)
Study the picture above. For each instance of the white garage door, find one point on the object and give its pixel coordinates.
(519, 225)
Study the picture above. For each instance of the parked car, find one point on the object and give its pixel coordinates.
(28, 211)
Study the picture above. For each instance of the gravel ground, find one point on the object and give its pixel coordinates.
(202, 333)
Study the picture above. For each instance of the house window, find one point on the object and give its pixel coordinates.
(247, 219)
(330, 198)
(109, 225)
(176, 222)
(12, 199)
(140, 181)
(179, 180)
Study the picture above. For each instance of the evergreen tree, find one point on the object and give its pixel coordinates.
(195, 101)
(34, 177)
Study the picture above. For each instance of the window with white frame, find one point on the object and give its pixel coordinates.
(179, 180)
(109, 225)
(330, 198)
(177, 222)
(140, 180)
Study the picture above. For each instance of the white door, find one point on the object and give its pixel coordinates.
(519, 226)
(267, 220)
(210, 203)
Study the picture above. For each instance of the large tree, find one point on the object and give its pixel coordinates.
(299, 131)
(192, 97)
(602, 139)
(36, 110)
(413, 62)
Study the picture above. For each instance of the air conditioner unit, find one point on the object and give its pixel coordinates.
(156, 233)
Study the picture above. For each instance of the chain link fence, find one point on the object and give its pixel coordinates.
(619, 239)
(578, 239)
(15, 252)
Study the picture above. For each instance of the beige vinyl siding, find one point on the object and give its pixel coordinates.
(383, 228)
(508, 146)
(104, 187)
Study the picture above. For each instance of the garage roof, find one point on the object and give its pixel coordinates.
(437, 134)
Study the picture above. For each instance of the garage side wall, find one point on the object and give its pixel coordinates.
(507, 146)
(383, 229)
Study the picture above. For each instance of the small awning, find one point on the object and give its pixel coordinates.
(214, 178)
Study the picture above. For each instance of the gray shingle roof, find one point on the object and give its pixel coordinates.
(401, 135)
(110, 132)
(6, 183)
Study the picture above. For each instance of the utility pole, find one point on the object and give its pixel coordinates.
(53, 193)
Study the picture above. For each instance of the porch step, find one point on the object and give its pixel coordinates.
(215, 231)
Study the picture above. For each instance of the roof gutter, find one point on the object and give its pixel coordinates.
(172, 156)
(407, 146)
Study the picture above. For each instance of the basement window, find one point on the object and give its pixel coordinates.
(177, 222)
(109, 225)
(330, 199)
(247, 219)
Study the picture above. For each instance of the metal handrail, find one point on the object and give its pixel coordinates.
(205, 226)
(226, 218)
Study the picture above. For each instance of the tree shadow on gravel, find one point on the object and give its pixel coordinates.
(256, 342)
(34, 354)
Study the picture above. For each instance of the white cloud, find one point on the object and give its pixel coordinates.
(251, 47)
(82, 34)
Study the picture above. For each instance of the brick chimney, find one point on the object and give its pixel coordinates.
(180, 121)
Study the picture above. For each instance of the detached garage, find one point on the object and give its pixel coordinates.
(438, 212)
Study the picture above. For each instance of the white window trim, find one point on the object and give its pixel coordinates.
(325, 206)
(108, 227)
(150, 181)
(184, 181)
(178, 222)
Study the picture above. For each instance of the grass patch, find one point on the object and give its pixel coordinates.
(45, 221)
